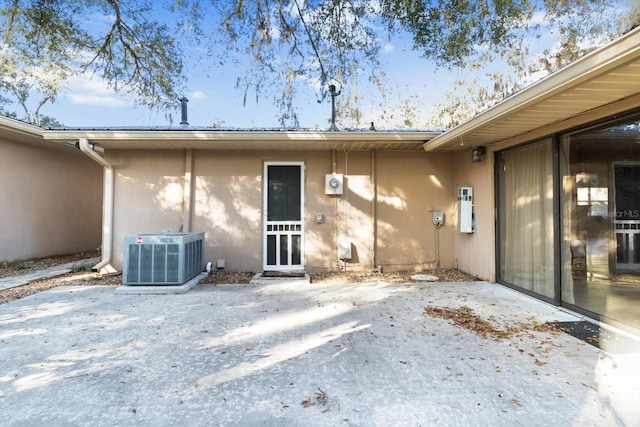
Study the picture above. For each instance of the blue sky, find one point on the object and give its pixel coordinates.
(214, 100)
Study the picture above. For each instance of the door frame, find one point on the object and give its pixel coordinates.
(265, 189)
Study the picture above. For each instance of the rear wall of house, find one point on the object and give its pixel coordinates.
(50, 200)
(385, 211)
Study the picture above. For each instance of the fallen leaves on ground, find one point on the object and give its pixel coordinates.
(443, 275)
(321, 398)
(464, 317)
(69, 279)
(227, 277)
(20, 267)
(83, 278)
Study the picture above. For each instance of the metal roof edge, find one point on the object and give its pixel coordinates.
(611, 55)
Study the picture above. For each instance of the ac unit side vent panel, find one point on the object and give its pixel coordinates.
(162, 259)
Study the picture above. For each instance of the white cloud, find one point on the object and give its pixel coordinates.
(98, 100)
(85, 90)
(387, 48)
(197, 94)
(539, 17)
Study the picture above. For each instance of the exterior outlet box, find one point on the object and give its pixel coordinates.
(344, 250)
(333, 184)
(438, 218)
(465, 210)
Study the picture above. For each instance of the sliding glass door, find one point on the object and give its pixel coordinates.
(600, 169)
(569, 220)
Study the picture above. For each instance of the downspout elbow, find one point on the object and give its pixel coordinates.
(104, 266)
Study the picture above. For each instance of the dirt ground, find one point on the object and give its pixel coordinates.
(84, 277)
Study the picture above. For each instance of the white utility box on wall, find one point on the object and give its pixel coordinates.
(465, 210)
(438, 218)
(334, 184)
(344, 249)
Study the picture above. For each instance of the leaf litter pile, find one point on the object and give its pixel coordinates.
(464, 317)
(83, 276)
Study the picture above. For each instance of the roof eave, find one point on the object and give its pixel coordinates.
(216, 139)
(608, 57)
(140, 135)
(19, 129)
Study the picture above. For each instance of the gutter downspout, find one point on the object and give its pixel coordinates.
(374, 214)
(104, 266)
(189, 191)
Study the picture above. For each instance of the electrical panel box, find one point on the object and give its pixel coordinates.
(334, 184)
(438, 218)
(466, 223)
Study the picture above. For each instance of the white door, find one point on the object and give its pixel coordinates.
(283, 215)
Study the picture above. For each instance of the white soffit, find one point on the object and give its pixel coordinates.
(246, 140)
(599, 79)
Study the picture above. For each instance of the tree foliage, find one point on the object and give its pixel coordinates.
(287, 46)
(45, 42)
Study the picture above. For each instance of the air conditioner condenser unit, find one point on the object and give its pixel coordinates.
(162, 259)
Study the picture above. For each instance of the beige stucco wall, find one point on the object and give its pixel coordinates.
(148, 193)
(50, 200)
(475, 252)
(410, 187)
(227, 204)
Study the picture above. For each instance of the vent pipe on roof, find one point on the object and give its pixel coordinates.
(334, 92)
(183, 107)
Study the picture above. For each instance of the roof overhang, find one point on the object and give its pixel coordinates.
(17, 130)
(210, 139)
(603, 82)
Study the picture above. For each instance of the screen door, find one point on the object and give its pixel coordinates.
(283, 216)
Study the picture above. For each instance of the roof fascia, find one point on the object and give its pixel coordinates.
(212, 135)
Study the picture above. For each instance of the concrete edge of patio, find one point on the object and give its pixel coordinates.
(160, 289)
(45, 273)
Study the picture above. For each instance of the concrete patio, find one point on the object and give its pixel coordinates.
(302, 355)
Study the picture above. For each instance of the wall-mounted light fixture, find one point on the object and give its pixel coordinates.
(477, 153)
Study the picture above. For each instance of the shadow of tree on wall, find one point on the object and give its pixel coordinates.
(229, 210)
